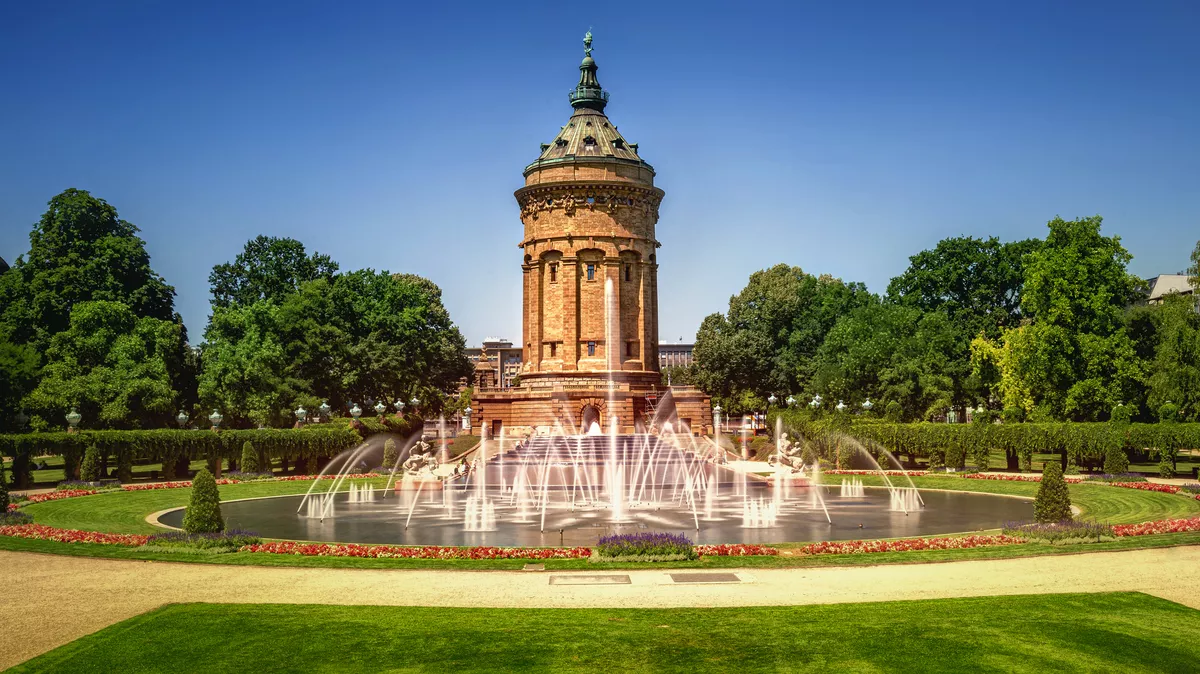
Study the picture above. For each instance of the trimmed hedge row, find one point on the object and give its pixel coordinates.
(953, 444)
(169, 446)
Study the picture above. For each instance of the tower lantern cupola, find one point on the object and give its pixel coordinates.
(588, 93)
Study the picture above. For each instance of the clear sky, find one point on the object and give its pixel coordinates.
(840, 137)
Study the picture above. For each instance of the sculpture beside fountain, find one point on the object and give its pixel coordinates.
(420, 468)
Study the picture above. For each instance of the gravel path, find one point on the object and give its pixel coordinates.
(50, 600)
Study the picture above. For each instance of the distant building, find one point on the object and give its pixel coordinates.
(1166, 284)
(502, 355)
(3, 266)
(675, 355)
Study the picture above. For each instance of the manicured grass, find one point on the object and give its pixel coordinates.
(1068, 633)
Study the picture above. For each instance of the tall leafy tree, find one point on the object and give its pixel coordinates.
(975, 282)
(889, 352)
(115, 366)
(1075, 358)
(269, 268)
(1174, 371)
(766, 342)
(80, 251)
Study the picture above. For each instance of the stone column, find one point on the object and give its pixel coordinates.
(568, 282)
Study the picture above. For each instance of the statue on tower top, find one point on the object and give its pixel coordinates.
(587, 43)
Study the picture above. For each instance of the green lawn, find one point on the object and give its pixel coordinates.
(1125, 632)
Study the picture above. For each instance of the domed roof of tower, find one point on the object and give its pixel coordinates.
(588, 134)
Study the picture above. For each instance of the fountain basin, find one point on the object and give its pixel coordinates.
(437, 518)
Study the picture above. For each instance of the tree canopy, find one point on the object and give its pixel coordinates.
(269, 268)
(766, 342)
(113, 365)
(975, 282)
(80, 251)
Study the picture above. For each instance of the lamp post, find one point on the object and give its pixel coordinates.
(840, 407)
(816, 401)
(215, 419)
(182, 419)
(791, 401)
(325, 409)
(867, 405)
(380, 408)
(355, 410)
(399, 405)
(717, 420)
(301, 416)
(73, 419)
(466, 422)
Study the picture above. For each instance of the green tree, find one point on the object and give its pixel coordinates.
(976, 282)
(80, 251)
(1075, 357)
(1174, 371)
(268, 268)
(766, 343)
(113, 365)
(1053, 500)
(892, 353)
(203, 514)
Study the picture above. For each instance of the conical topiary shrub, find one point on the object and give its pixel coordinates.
(89, 470)
(203, 513)
(249, 458)
(1115, 460)
(1053, 502)
(390, 455)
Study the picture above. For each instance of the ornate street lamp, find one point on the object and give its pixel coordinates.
(301, 414)
(771, 400)
(816, 401)
(791, 401)
(841, 406)
(867, 405)
(215, 419)
(399, 405)
(467, 417)
(380, 408)
(325, 409)
(415, 402)
(73, 419)
(717, 418)
(355, 410)
(182, 419)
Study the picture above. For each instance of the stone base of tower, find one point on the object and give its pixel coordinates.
(546, 403)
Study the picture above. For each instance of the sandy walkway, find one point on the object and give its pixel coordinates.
(52, 600)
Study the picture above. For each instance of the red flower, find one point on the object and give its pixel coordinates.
(907, 544)
(45, 533)
(1158, 527)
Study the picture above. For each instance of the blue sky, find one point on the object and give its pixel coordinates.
(840, 137)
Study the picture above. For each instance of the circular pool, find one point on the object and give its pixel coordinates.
(443, 518)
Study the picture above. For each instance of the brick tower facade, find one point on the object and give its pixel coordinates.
(590, 283)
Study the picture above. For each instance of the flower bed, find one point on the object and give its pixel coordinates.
(907, 544)
(1147, 486)
(735, 550)
(45, 533)
(58, 495)
(1014, 477)
(1158, 527)
(414, 552)
(890, 473)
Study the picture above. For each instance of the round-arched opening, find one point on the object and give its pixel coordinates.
(590, 416)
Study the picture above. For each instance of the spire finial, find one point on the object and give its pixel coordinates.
(587, 43)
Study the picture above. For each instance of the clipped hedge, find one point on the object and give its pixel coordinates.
(170, 445)
(953, 444)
